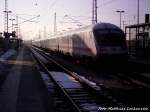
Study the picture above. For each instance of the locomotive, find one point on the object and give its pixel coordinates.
(15, 43)
(97, 42)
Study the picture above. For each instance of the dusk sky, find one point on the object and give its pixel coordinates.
(79, 10)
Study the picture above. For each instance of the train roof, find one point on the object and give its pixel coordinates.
(93, 27)
(105, 26)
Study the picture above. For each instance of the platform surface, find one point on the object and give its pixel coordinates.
(23, 90)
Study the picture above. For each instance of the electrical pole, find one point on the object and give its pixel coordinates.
(5, 19)
(45, 32)
(123, 22)
(17, 28)
(94, 12)
(138, 13)
(12, 23)
(55, 26)
(39, 34)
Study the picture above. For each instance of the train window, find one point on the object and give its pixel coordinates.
(116, 39)
(101, 32)
(111, 38)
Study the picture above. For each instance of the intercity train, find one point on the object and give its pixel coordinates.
(99, 41)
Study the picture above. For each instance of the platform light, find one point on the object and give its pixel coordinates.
(120, 12)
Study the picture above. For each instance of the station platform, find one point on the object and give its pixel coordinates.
(23, 89)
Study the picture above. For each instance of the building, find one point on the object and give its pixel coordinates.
(138, 39)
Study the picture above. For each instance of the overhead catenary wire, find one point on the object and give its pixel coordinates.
(106, 3)
(28, 20)
(146, 2)
(51, 6)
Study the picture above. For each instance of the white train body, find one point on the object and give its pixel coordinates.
(94, 41)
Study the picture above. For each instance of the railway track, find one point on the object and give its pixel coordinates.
(70, 91)
(135, 79)
(128, 75)
(127, 87)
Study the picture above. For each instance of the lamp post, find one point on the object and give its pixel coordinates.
(120, 12)
(7, 12)
(12, 23)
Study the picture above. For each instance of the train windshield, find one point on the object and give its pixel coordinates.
(110, 38)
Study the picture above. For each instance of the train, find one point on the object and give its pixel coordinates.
(9, 43)
(15, 43)
(101, 41)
